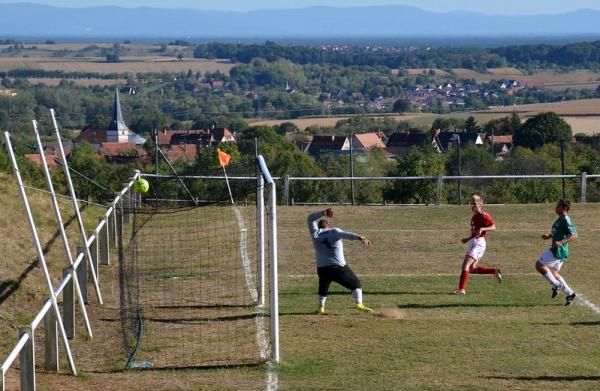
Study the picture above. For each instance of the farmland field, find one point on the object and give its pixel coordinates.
(131, 65)
(543, 78)
(583, 115)
(49, 81)
(508, 336)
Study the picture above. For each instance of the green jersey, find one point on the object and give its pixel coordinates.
(561, 229)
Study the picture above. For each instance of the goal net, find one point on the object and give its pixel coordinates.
(192, 276)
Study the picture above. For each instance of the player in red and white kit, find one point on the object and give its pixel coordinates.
(481, 223)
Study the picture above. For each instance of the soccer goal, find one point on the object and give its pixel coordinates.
(198, 278)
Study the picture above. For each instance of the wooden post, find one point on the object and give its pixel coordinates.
(103, 244)
(94, 253)
(583, 187)
(82, 276)
(69, 305)
(27, 360)
(126, 206)
(438, 190)
(286, 190)
(119, 223)
(113, 227)
(51, 342)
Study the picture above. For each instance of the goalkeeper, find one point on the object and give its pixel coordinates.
(331, 265)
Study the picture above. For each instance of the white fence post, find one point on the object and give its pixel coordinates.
(50, 342)
(260, 200)
(65, 164)
(39, 250)
(274, 278)
(59, 220)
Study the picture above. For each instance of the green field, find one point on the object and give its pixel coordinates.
(497, 337)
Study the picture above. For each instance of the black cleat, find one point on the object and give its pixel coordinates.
(570, 298)
(555, 290)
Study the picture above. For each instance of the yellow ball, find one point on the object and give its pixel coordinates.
(141, 185)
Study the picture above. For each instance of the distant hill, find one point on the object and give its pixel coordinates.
(25, 19)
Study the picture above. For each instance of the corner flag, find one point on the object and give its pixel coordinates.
(224, 157)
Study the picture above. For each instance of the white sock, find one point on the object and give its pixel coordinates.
(357, 294)
(322, 301)
(565, 287)
(550, 277)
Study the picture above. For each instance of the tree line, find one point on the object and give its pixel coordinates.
(580, 55)
(537, 151)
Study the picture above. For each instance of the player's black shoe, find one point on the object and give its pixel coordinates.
(555, 290)
(570, 298)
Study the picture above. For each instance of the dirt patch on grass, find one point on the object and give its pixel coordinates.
(390, 313)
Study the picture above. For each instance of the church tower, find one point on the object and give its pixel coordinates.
(117, 131)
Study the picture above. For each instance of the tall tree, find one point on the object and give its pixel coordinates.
(471, 125)
(402, 105)
(543, 128)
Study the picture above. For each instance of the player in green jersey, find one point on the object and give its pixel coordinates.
(563, 232)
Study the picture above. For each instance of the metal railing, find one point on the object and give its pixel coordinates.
(96, 251)
(439, 181)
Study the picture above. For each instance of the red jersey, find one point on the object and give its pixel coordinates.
(480, 220)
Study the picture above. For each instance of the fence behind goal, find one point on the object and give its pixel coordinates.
(192, 276)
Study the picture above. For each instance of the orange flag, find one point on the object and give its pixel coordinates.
(223, 157)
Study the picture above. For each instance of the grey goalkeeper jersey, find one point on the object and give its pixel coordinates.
(328, 242)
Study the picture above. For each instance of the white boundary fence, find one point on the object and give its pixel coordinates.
(439, 180)
(96, 251)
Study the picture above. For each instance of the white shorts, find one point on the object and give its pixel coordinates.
(547, 259)
(476, 248)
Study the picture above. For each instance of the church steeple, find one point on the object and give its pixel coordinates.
(117, 130)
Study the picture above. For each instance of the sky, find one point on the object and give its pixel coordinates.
(503, 7)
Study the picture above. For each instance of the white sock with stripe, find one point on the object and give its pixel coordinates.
(565, 287)
(550, 277)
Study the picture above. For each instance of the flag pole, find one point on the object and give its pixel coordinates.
(228, 187)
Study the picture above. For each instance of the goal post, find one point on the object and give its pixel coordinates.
(272, 228)
(197, 282)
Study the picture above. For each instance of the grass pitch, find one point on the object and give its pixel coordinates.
(509, 336)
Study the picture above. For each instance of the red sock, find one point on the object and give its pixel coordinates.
(484, 270)
(464, 277)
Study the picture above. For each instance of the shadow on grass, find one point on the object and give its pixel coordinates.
(547, 378)
(231, 318)
(258, 364)
(474, 305)
(596, 323)
(8, 287)
(204, 306)
(309, 313)
(375, 293)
